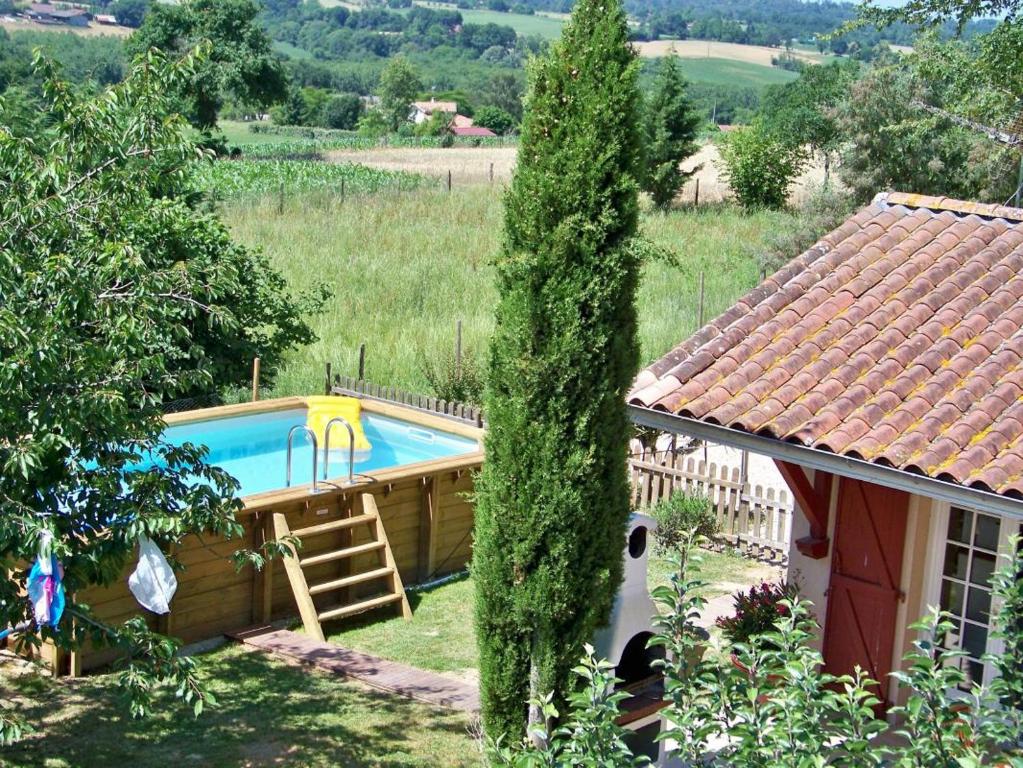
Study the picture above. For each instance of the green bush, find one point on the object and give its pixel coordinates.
(824, 209)
(759, 167)
(457, 381)
(494, 118)
(770, 704)
(679, 515)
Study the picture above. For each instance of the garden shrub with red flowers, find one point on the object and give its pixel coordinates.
(756, 611)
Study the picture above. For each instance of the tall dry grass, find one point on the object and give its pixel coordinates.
(405, 267)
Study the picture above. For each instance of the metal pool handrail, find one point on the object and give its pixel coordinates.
(291, 435)
(351, 447)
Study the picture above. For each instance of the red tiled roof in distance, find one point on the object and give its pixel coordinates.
(471, 130)
(896, 339)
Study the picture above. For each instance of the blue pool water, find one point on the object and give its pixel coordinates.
(253, 448)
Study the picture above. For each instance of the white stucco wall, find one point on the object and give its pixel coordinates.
(812, 576)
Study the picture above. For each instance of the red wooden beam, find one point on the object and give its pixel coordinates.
(814, 499)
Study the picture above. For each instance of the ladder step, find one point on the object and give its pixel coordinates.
(330, 586)
(341, 554)
(365, 605)
(336, 525)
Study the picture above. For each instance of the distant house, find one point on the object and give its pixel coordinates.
(105, 18)
(461, 121)
(424, 110)
(882, 370)
(44, 13)
(471, 130)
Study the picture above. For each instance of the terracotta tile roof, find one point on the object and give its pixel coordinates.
(471, 130)
(431, 106)
(897, 339)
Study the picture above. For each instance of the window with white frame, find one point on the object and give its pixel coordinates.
(971, 545)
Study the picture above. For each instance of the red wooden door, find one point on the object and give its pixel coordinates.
(866, 570)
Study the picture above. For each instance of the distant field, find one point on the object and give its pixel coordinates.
(703, 49)
(546, 26)
(238, 133)
(93, 30)
(291, 51)
(732, 72)
(471, 166)
(467, 165)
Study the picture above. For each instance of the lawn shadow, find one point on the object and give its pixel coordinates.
(268, 713)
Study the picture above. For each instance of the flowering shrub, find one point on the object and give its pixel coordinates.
(756, 611)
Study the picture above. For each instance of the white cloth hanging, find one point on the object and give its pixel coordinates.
(153, 582)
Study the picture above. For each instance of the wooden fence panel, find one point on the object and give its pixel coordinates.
(346, 385)
(753, 518)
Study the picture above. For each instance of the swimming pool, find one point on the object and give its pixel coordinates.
(253, 447)
(423, 488)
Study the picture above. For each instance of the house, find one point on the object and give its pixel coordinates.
(45, 13)
(471, 130)
(461, 121)
(105, 18)
(882, 370)
(423, 110)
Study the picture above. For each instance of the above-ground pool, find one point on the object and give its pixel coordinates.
(420, 470)
(253, 447)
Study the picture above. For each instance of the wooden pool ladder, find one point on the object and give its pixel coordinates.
(385, 570)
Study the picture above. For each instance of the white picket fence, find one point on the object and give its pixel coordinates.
(751, 517)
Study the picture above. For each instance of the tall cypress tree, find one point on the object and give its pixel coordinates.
(671, 124)
(553, 496)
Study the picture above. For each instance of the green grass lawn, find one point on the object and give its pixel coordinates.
(440, 635)
(268, 713)
(732, 72)
(405, 267)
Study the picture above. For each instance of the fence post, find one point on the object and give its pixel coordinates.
(449, 181)
(491, 173)
(255, 379)
(458, 349)
(362, 361)
(327, 387)
(696, 200)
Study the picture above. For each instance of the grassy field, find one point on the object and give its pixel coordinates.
(405, 267)
(268, 713)
(547, 26)
(734, 72)
(523, 24)
(239, 133)
(291, 51)
(712, 49)
(93, 30)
